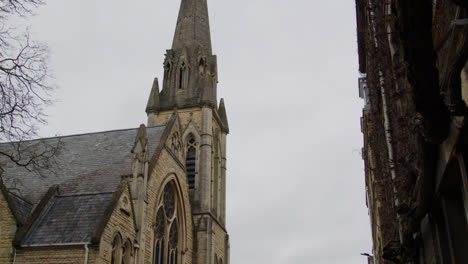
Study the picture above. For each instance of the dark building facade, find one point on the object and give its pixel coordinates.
(413, 61)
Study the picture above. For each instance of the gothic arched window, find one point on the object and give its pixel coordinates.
(202, 66)
(116, 256)
(166, 229)
(190, 160)
(183, 76)
(167, 73)
(127, 253)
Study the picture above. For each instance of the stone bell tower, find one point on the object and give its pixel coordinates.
(189, 90)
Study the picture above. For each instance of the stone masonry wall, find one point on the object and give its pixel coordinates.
(185, 115)
(55, 255)
(7, 231)
(167, 167)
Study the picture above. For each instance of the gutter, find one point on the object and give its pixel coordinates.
(57, 245)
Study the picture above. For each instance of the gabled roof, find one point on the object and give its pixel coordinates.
(87, 163)
(72, 197)
(68, 219)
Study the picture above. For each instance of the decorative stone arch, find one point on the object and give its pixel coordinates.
(169, 205)
(190, 129)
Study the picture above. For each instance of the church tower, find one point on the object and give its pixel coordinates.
(189, 90)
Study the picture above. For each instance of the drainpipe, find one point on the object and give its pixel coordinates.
(86, 253)
(14, 256)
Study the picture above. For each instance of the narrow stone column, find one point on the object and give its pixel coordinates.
(223, 179)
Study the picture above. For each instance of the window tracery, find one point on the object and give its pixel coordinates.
(168, 201)
(166, 229)
(175, 144)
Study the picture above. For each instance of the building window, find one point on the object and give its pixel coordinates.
(201, 66)
(183, 76)
(190, 161)
(166, 229)
(167, 73)
(116, 256)
(127, 253)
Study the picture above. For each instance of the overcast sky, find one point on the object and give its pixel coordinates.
(288, 72)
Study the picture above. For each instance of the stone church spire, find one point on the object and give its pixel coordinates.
(190, 68)
(193, 27)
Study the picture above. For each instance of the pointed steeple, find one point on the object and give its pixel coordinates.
(193, 27)
(190, 68)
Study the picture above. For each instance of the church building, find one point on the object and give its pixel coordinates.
(149, 195)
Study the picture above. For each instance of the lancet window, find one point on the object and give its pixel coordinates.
(116, 256)
(166, 229)
(167, 72)
(121, 254)
(202, 66)
(127, 253)
(183, 76)
(190, 160)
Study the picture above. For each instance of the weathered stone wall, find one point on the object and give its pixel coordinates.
(220, 242)
(120, 222)
(7, 231)
(413, 57)
(55, 255)
(185, 116)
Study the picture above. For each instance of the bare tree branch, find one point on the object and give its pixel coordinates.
(25, 86)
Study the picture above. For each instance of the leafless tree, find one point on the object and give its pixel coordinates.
(25, 86)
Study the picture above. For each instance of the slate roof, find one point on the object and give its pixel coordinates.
(22, 207)
(68, 219)
(86, 163)
(87, 170)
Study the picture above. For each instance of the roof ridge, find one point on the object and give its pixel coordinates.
(82, 134)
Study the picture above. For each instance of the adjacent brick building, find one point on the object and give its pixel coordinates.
(413, 60)
(154, 194)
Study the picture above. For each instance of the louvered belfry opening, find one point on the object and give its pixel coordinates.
(190, 162)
